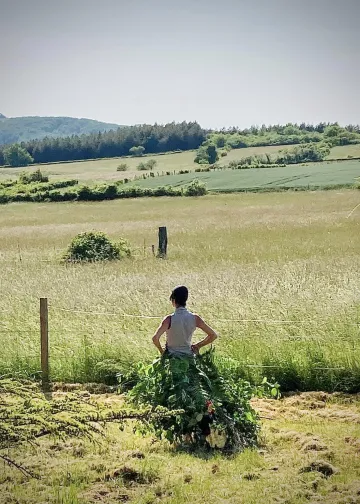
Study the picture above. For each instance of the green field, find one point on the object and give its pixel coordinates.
(105, 169)
(312, 176)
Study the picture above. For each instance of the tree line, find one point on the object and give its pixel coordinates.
(306, 153)
(121, 142)
(153, 139)
(324, 135)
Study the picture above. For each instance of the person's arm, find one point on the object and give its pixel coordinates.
(210, 334)
(159, 332)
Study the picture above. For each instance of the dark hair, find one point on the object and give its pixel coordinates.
(180, 295)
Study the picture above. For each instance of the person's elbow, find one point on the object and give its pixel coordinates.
(213, 336)
(155, 339)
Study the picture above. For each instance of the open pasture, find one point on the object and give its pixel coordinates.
(276, 274)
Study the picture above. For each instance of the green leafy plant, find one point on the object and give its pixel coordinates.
(216, 410)
(137, 150)
(148, 165)
(122, 167)
(35, 176)
(95, 246)
(195, 188)
(15, 155)
(206, 154)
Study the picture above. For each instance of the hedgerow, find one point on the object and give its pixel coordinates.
(49, 191)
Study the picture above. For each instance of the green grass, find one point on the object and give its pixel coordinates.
(295, 432)
(260, 257)
(105, 169)
(310, 175)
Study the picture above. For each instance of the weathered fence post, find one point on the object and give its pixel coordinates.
(163, 241)
(44, 334)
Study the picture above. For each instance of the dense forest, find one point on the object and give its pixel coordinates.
(152, 139)
(23, 129)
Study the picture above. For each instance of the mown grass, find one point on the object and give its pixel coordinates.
(296, 431)
(105, 169)
(258, 258)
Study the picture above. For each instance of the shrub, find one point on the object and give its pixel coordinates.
(199, 170)
(95, 246)
(223, 153)
(137, 151)
(151, 164)
(62, 196)
(35, 176)
(304, 153)
(148, 165)
(213, 409)
(122, 167)
(195, 188)
(206, 154)
(15, 155)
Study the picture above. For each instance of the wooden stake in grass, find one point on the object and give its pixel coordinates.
(44, 334)
(162, 251)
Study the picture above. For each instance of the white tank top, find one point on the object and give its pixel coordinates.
(179, 334)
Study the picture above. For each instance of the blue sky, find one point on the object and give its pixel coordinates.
(234, 62)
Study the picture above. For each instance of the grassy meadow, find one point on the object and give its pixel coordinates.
(105, 169)
(276, 274)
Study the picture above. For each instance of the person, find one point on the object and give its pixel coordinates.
(180, 326)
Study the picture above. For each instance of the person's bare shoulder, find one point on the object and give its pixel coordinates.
(166, 321)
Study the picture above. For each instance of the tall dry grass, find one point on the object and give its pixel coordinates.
(269, 257)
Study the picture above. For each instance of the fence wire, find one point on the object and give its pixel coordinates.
(71, 354)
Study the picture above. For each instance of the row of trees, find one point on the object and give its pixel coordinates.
(289, 135)
(286, 129)
(221, 142)
(298, 154)
(132, 140)
(146, 139)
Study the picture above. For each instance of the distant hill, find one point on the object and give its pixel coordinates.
(22, 129)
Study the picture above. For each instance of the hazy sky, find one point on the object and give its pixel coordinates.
(222, 63)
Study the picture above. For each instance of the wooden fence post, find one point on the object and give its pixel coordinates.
(44, 334)
(162, 251)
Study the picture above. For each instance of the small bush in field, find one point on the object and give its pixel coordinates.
(196, 188)
(122, 167)
(95, 246)
(35, 176)
(148, 165)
